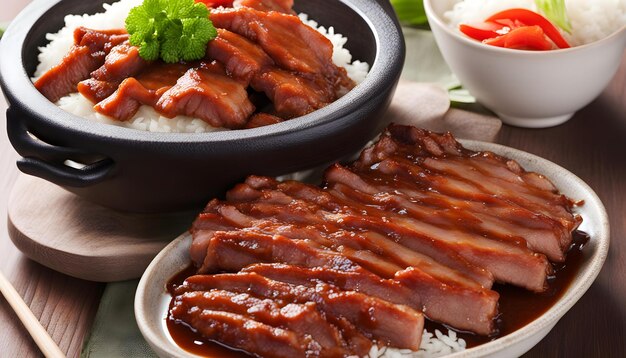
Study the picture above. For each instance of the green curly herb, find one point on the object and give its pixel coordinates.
(173, 30)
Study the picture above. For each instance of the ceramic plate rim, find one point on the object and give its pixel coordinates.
(518, 341)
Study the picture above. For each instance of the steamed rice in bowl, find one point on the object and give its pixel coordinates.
(591, 20)
(147, 118)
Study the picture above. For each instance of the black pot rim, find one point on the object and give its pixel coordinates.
(18, 88)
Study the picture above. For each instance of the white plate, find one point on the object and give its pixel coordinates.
(151, 300)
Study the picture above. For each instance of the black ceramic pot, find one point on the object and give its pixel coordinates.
(137, 171)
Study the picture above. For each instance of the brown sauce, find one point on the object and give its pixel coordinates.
(517, 306)
(188, 338)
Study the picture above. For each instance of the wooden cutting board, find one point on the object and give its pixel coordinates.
(69, 234)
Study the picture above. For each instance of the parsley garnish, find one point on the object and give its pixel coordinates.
(172, 30)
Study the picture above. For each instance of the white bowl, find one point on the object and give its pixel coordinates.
(533, 89)
(151, 298)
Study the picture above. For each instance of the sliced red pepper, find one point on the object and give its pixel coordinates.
(532, 18)
(482, 31)
(216, 3)
(523, 38)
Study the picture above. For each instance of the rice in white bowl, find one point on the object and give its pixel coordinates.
(147, 118)
(591, 20)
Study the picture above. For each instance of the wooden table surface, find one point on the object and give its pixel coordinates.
(592, 145)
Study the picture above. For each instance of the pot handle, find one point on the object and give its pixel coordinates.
(46, 161)
(65, 176)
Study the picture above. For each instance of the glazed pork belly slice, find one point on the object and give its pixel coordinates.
(202, 230)
(206, 92)
(146, 88)
(376, 318)
(242, 58)
(121, 62)
(353, 280)
(293, 45)
(303, 319)
(285, 6)
(243, 333)
(234, 250)
(508, 263)
(86, 55)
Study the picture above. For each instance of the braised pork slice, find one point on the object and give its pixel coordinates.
(376, 318)
(242, 58)
(234, 250)
(86, 55)
(303, 319)
(122, 61)
(267, 5)
(206, 92)
(293, 95)
(243, 333)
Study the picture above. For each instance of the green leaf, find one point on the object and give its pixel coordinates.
(174, 30)
(556, 12)
(410, 12)
(149, 50)
(199, 10)
(152, 7)
(171, 50)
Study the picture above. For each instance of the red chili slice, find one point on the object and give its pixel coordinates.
(482, 31)
(532, 18)
(523, 38)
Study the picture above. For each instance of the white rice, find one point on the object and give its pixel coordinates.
(146, 117)
(432, 346)
(591, 20)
